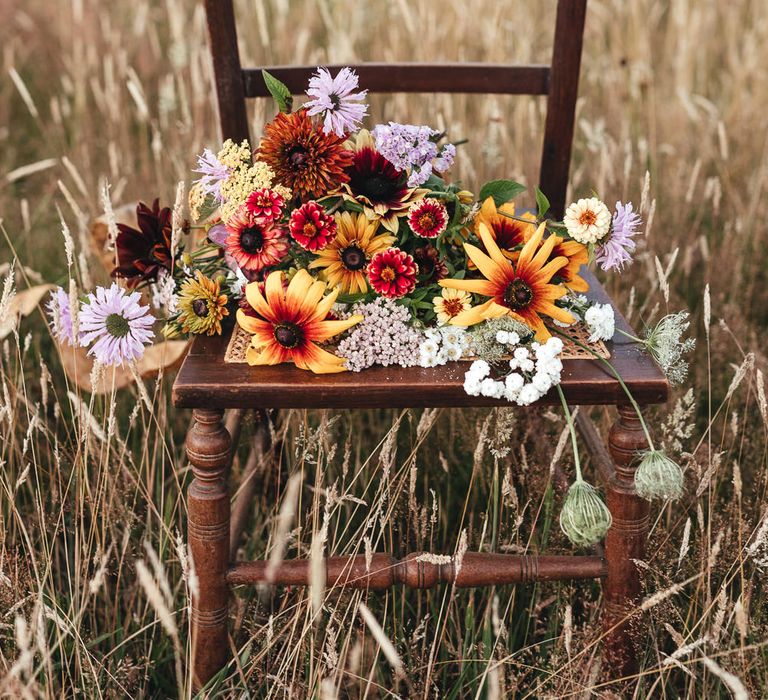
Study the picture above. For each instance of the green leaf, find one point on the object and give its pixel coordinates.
(501, 190)
(542, 203)
(279, 91)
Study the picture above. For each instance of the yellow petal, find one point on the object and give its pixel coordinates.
(319, 361)
(489, 268)
(323, 330)
(274, 291)
(526, 254)
(483, 287)
(494, 310)
(470, 317)
(490, 245)
(257, 301)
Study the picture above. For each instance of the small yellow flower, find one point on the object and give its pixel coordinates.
(236, 189)
(196, 200)
(451, 303)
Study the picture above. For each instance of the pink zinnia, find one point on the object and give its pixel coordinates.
(428, 218)
(392, 273)
(265, 204)
(311, 227)
(115, 325)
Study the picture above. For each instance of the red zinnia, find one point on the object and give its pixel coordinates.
(265, 203)
(428, 218)
(392, 273)
(255, 243)
(311, 227)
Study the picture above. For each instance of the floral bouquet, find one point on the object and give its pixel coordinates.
(338, 248)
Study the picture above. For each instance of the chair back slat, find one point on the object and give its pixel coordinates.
(482, 78)
(559, 82)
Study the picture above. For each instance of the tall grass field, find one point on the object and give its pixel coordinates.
(106, 103)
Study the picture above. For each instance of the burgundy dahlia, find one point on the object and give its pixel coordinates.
(143, 252)
(392, 273)
(431, 267)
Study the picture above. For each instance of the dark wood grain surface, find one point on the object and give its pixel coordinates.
(485, 78)
(205, 380)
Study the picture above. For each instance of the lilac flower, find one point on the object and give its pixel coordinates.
(411, 147)
(617, 249)
(335, 99)
(61, 316)
(383, 337)
(115, 325)
(214, 172)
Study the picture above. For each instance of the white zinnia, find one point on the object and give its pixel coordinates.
(600, 321)
(587, 220)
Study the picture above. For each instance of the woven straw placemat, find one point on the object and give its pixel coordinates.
(240, 340)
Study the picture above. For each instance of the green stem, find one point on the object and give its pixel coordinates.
(630, 336)
(572, 430)
(516, 218)
(620, 380)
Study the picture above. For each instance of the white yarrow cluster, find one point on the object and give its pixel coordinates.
(163, 292)
(447, 344)
(588, 220)
(534, 371)
(601, 322)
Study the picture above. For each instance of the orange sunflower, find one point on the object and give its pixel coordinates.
(291, 321)
(308, 161)
(509, 234)
(577, 255)
(344, 259)
(522, 290)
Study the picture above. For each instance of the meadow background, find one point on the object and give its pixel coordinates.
(94, 576)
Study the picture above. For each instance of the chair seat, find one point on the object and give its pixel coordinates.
(205, 380)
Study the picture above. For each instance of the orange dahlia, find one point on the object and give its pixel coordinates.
(509, 234)
(290, 322)
(304, 159)
(522, 290)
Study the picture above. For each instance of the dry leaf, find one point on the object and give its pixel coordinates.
(124, 214)
(23, 304)
(77, 366)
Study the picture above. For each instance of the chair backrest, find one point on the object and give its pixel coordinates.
(558, 81)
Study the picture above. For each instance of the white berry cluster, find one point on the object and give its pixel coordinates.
(446, 344)
(534, 371)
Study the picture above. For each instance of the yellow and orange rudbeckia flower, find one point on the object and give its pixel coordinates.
(577, 255)
(509, 234)
(521, 290)
(291, 321)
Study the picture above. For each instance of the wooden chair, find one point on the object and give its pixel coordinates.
(208, 385)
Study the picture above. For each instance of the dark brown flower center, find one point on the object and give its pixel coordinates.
(298, 156)
(252, 239)
(335, 100)
(518, 295)
(200, 307)
(289, 335)
(353, 258)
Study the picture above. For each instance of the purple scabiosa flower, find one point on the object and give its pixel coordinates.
(336, 100)
(413, 148)
(617, 249)
(115, 325)
(218, 234)
(61, 316)
(213, 172)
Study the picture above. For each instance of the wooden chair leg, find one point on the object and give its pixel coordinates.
(208, 447)
(624, 543)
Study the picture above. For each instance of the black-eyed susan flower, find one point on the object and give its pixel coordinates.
(289, 322)
(202, 306)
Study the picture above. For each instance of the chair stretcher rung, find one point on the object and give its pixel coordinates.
(419, 570)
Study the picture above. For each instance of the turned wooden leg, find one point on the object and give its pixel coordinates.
(208, 444)
(624, 542)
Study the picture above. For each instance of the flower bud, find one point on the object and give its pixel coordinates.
(584, 517)
(658, 476)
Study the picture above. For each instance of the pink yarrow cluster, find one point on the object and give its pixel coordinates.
(383, 337)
